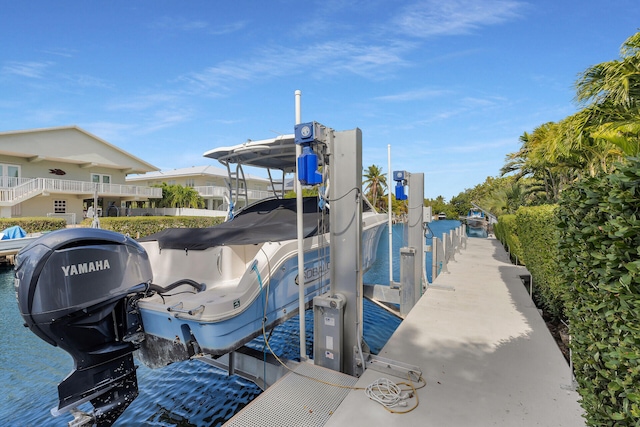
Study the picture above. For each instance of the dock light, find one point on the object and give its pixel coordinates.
(308, 135)
(400, 177)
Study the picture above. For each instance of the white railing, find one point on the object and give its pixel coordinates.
(69, 217)
(216, 191)
(211, 191)
(9, 181)
(175, 212)
(31, 187)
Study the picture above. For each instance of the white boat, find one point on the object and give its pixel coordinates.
(14, 238)
(13, 245)
(178, 293)
(242, 265)
(476, 219)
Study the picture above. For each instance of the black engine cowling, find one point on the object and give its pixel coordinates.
(77, 289)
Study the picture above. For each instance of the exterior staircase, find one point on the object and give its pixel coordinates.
(28, 188)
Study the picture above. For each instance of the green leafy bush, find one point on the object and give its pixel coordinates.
(599, 258)
(140, 226)
(34, 224)
(538, 233)
(506, 231)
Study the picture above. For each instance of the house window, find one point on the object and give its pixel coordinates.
(171, 182)
(191, 182)
(59, 206)
(100, 178)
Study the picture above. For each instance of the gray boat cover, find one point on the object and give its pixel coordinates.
(272, 220)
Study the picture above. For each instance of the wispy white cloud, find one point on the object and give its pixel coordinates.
(473, 102)
(180, 24)
(32, 69)
(113, 132)
(177, 24)
(369, 61)
(415, 95)
(435, 17)
(481, 146)
(459, 166)
(85, 80)
(166, 118)
(462, 106)
(63, 52)
(50, 116)
(374, 60)
(228, 28)
(144, 124)
(143, 102)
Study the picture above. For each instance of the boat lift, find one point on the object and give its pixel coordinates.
(412, 285)
(338, 314)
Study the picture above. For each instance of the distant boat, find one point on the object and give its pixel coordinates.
(15, 238)
(476, 219)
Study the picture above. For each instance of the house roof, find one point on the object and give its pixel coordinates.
(70, 144)
(188, 172)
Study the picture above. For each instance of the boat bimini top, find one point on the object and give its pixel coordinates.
(274, 153)
(277, 153)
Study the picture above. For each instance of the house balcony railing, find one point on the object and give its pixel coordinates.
(220, 192)
(15, 190)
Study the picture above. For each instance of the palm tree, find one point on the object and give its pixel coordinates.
(177, 196)
(375, 182)
(611, 92)
(505, 200)
(593, 139)
(543, 160)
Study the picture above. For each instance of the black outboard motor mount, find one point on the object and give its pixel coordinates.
(77, 289)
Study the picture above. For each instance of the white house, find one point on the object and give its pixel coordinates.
(209, 181)
(58, 172)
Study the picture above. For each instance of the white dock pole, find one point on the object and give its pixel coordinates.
(300, 234)
(389, 210)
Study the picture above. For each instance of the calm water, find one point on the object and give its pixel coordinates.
(182, 394)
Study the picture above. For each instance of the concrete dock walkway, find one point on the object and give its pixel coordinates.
(484, 350)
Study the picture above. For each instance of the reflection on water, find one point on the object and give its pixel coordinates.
(477, 232)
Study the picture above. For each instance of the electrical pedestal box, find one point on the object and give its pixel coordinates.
(408, 280)
(328, 319)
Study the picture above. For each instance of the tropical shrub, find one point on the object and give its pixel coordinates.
(506, 231)
(140, 226)
(599, 246)
(538, 234)
(34, 224)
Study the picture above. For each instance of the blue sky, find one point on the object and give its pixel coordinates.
(450, 84)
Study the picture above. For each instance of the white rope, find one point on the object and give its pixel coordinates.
(386, 393)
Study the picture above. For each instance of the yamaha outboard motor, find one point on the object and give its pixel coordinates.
(77, 289)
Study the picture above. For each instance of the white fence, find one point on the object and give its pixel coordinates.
(215, 191)
(175, 212)
(69, 217)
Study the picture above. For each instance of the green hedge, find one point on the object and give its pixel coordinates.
(34, 224)
(140, 226)
(538, 233)
(506, 231)
(599, 221)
